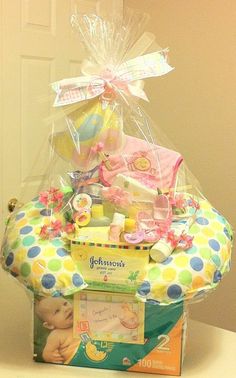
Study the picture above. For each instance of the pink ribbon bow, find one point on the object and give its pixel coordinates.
(112, 80)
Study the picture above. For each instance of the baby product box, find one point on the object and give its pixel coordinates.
(109, 331)
(110, 266)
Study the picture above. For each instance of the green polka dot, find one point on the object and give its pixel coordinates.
(10, 226)
(28, 206)
(209, 215)
(195, 229)
(28, 240)
(57, 242)
(216, 260)
(16, 244)
(221, 238)
(221, 219)
(6, 251)
(192, 250)
(43, 241)
(36, 220)
(25, 269)
(205, 253)
(39, 205)
(154, 273)
(54, 265)
(185, 277)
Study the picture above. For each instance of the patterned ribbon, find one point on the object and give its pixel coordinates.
(124, 79)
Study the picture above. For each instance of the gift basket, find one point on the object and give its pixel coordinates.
(118, 239)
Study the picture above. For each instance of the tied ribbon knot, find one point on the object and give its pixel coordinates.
(110, 81)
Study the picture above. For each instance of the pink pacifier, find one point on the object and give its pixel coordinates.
(135, 237)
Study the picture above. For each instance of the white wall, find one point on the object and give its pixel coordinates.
(195, 106)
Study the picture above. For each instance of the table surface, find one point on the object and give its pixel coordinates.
(210, 351)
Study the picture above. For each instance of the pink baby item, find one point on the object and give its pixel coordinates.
(156, 222)
(162, 212)
(117, 196)
(151, 165)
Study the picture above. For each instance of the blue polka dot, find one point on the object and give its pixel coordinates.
(33, 252)
(144, 289)
(26, 230)
(174, 291)
(214, 244)
(227, 233)
(202, 221)
(62, 252)
(196, 263)
(48, 281)
(46, 212)
(152, 302)
(167, 261)
(77, 280)
(56, 293)
(215, 211)
(217, 276)
(216, 260)
(9, 259)
(191, 250)
(20, 216)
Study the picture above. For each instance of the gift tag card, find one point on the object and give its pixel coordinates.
(109, 317)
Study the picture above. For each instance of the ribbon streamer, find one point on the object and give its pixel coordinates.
(123, 79)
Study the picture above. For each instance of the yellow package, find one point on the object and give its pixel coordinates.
(107, 266)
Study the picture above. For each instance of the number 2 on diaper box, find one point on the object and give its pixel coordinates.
(164, 342)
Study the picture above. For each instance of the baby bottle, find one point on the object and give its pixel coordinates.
(98, 219)
(116, 227)
(163, 248)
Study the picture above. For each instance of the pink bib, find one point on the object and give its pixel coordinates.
(152, 165)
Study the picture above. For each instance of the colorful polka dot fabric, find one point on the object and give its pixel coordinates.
(47, 268)
(44, 266)
(192, 273)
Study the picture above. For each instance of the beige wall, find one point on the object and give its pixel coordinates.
(195, 106)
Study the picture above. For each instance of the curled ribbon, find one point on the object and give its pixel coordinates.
(123, 79)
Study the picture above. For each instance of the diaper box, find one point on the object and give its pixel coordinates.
(109, 331)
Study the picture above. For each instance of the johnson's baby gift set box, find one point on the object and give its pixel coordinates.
(118, 239)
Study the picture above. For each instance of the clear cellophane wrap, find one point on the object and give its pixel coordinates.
(114, 184)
